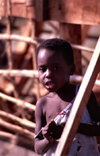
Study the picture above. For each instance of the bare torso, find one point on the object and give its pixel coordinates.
(55, 103)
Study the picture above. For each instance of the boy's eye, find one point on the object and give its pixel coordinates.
(43, 69)
(56, 68)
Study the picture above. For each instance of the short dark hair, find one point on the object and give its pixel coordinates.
(56, 44)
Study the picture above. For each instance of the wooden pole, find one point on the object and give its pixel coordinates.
(79, 104)
(20, 139)
(66, 32)
(9, 54)
(17, 129)
(25, 73)
(34, 74)
(36, 40)
(20, 121)
(19, 103)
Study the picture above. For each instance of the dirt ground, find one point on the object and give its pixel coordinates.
(7, 149)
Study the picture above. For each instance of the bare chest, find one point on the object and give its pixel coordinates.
(53, 108)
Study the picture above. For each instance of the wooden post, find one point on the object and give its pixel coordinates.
(41, 10)
(72, 33)
(79, 104)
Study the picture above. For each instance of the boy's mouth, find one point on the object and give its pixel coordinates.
(50, 85)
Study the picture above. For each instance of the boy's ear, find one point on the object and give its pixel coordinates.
(72, 69)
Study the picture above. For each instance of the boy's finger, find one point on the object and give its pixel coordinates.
(52, 124)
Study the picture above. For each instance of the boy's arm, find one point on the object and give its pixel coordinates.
(89, 129)
(41, 144)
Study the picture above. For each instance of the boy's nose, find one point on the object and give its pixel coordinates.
(48, 73)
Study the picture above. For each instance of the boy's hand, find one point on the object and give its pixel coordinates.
(52, 131)
(48, 130)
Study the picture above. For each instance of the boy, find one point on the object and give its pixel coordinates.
(55, 65)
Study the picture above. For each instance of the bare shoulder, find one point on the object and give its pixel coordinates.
(41, 104)
(42, 101)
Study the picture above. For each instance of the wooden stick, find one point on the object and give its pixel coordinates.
(25, 73)
(22, 122)
(79, 78)
(17, 38)
(34, 60)
(34, 73)
(8, 43)
(16, 129)
(36, 40)
(79, 47)
(20, 139)
(79, 104)
(19, 103)
(18, 1)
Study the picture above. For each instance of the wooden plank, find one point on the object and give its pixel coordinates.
(17, 9)
(41, 10)
(85, 29)
(79, 104)
(74, 11)
(20, 10)
(18, 1)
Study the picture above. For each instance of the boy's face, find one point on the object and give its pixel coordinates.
(53, 70)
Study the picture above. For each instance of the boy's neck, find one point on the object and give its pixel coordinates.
(67, 91)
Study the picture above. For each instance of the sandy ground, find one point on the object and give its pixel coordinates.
(6, 149)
